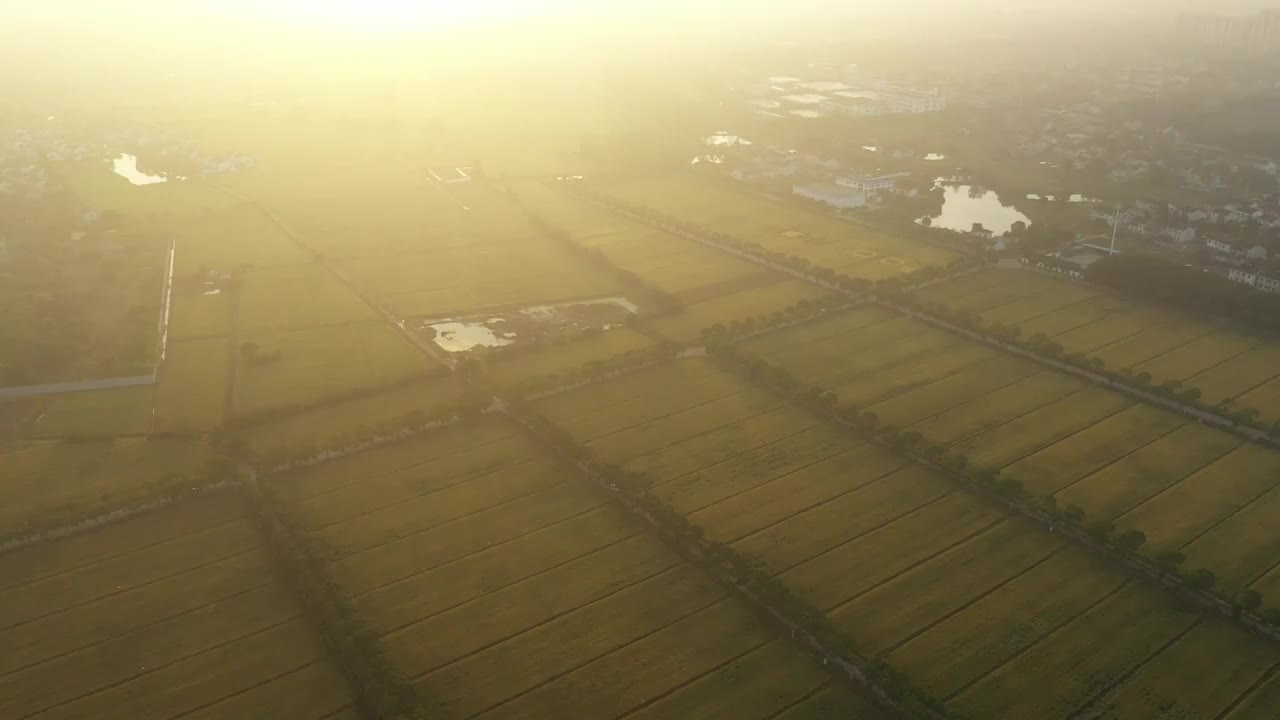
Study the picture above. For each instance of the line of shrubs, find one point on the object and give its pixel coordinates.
(75, 517)
(596, 370)
(381, 690)
(470, 404)
(742, 569)
(1164, 564)
(1041, 344)
(281, 412)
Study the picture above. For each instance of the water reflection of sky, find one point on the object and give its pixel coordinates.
(961, 209)
(126, 166)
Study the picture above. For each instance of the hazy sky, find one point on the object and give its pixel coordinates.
(400, 14)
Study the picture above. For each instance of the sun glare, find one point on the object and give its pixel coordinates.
(392, 15)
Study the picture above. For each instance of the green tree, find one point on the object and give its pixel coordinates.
(1202, 579)
(1103, 530)
(1170, 560)
(1247, 600)
(1131, 540)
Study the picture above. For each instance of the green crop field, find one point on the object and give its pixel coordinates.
(674, 264)
(98, 413)
(1186, 486)
(330, 424)
(553, 360)
(457, 279)
(175, 613)
(504, 587)
(224, 240)
(191, 394)
(297, 367)
(313, 512)
(756, 302)
(973, 604)
(1228, 366)
(268, 300)
(825, 241)
(46, 481)
(197, 314)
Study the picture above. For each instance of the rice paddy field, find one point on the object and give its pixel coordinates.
(45, 481)
(175, 613)
(999, 618)
(299, 367)
(1187, 486)
(822, 239)
(672, 263)
(332, 424)
(425, 248)
(564, 358)
(190, 397)
(714, 287)
(1227, 365)
(504, 586)
(97, 413)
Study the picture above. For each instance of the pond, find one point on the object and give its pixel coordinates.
(963, 205)
(461, 336)
(126, 166)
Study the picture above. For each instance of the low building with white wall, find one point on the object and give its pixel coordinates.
(872, 183)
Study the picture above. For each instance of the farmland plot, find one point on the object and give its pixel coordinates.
(98, 413)
(330, 425)
(301, 367)
(686, 325)
(1145, 467)
(55, 483)
(779, 227)
(192, 388)
(940, 583)
(677, 265)
(271, 300)
(505, 587)
(173, 614)
(1226, 364)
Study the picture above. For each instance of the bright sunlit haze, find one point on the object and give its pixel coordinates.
(639, 360)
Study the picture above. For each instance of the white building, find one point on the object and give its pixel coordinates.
(1182, 236)
(1254, 280)
(1219, 245)
(1244, 277)
(837, 196)
(885, 100)
(872, 183)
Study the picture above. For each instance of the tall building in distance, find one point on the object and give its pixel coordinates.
(1254, 33)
